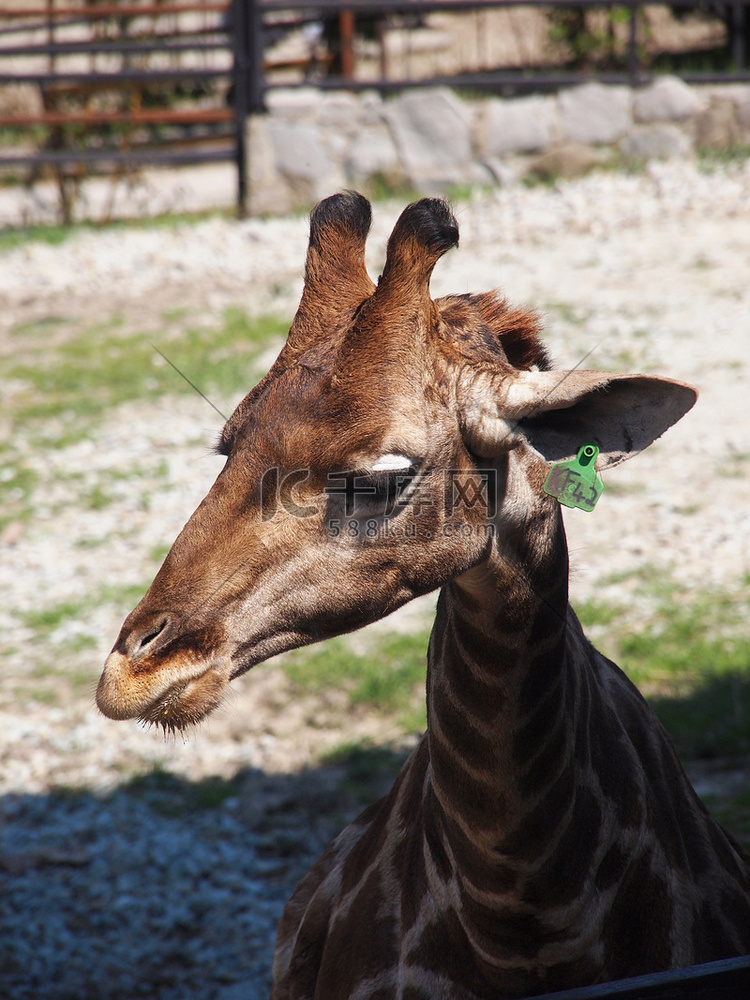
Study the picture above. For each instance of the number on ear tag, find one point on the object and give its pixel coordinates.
(575, 483)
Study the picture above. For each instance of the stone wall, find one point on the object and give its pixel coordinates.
(311, 143)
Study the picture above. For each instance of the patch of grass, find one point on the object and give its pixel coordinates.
(94, 543)
(43, 696)
(173, 315)
(125, 596)
(712, 718)
(10, 238)
(381, 187)
(77, 380)
(616, 488)
(734, 464)
(369, 770)
(689, 654)
(169, 795)
(158, 552)
(17, 484)
(389, 677)
(46, 620)
(77, 644)
(691, 658)
(35, 325)
(709, 159)
(733, 812)
(593, 613)
(97, 498)
(55, 234)
(566, 312)
(535, 178)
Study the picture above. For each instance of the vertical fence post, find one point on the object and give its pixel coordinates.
(257, 81)
(346, 39)
(240, 81)
(633, 45)
(739, 34)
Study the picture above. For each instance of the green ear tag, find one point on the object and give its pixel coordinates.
(576, 483)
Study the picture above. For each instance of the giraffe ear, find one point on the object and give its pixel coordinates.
(336, 279)
(557, 411)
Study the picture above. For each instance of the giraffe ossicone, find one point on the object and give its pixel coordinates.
(543, 834)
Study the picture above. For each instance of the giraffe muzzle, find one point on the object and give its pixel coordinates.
(180, 694)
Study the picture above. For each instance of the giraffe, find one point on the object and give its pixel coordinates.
(543, 834)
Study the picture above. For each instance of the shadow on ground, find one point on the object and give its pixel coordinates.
(169, 889)
(166, 889)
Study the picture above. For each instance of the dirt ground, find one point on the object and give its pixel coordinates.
(649, 272)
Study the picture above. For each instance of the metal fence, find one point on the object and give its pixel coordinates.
(114, 86)
(121, 85)
(735, 14)
(728, 979)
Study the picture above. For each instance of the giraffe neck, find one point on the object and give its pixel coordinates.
(504, 701)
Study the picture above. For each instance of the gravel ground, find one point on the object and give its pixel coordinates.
(135, 867)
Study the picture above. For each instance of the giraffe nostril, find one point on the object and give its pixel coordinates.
(149, 635)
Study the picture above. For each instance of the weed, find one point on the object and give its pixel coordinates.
(97, 499)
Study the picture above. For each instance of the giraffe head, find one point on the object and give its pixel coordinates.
(370, 465)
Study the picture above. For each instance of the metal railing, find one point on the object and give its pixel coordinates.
(735, 13)
(727, 979)
(117, 87)
(162, 82)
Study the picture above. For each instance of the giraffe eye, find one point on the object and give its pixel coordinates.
(370, 492)
(385, 488)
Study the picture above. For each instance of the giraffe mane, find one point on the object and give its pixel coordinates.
(485, 329)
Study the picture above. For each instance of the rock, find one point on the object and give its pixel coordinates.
(303, 161)
(431, 130)
(717, 126)
(268, 193)
(742, 108)
(655, 142)
(340, 111)
(594, 113)
(525, 125)
(503, 173)
(372, 152)
(569, 160)
(371, 104)
(299, 104)
(666, 99)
